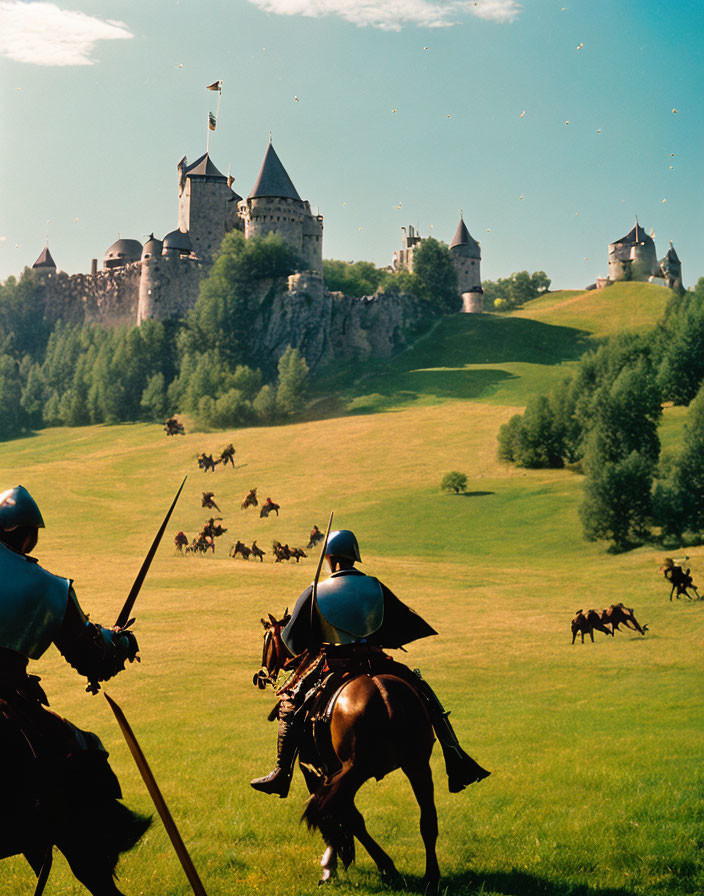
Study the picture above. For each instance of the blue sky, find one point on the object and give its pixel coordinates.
(427, 105)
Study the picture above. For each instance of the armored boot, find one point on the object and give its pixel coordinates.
(461, 768)
(279, 780)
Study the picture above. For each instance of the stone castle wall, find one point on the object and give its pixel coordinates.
(107, 297)
(168, 286)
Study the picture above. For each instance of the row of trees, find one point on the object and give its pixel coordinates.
(603, 421)
(510, 292)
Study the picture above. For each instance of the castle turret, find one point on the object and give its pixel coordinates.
(633, 257)
(45, 265)
(466, 256)
(122, 252)
(207, 205)
(274, 206)
(671, 269)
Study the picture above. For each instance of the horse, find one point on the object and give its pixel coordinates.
(585, 624)
(180, 540)
(378, 723)
(257, 552)
(617, 615)
(240, 548)
(267, 508)
(47, 802)
(250, 500)
(315, 536)
(680, 579)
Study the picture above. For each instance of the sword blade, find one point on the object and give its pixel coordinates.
(126, 610)
(320, 566)
(158, 800)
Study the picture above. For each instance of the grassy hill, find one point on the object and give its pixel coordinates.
(502, 359)
(596, 786)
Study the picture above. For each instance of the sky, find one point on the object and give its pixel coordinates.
(549, 126)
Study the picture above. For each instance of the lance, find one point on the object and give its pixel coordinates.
(320, 566)
(126, 610)
(43, 876)
(158, 800)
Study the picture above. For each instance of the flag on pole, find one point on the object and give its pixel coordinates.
(212, 121)
(216, 85)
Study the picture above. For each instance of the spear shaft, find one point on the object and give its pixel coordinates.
(158, 800)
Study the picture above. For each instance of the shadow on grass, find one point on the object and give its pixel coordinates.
(511, 883)
(474, 494)
(438, 364)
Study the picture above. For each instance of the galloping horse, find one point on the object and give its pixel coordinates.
(378, 723)
(240, 547)
(46, 804)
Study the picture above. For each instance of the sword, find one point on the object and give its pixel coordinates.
(125, 612)
(158, 800)
(320, 566)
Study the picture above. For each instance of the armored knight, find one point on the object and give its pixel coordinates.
(354, 614)
(36, 610)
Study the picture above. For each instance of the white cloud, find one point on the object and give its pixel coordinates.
(392, 15)
(44, 34)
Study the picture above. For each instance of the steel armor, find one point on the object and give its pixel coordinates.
(32, 604)
(350, 607)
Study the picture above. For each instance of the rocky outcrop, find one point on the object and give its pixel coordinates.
(329, 327)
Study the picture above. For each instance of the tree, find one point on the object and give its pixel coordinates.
(153, 401)
(353, 278)
(454, 482)
(292, 382)
(433, 266)
(510, 292)
(12, 414)
(229, 297)
(617, 502)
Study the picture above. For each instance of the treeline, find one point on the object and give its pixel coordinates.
(603, 421)
(510, 292)
(434, 278)
(203, 366)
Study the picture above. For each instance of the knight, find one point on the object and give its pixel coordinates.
(38, 609)
(349, 620)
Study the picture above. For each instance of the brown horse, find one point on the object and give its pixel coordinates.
(47, 802)
(240, 548)
(378, 723)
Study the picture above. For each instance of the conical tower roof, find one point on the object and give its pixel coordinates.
(45, 260)
(273, 179)
(204, 167)
(672, 255)
(637, 235)
(464, 239)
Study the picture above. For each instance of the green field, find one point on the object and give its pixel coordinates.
(597, 784)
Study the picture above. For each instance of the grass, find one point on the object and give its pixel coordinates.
(596, 785)
(502, 359)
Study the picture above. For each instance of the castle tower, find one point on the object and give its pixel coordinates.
(466, 256)
(671, 268)
(207, 205)
(633, 257)
(149, 298)
(274, 206)
(45, 265)
(403, 257)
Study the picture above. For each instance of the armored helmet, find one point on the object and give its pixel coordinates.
(18, 508)
(342, 543)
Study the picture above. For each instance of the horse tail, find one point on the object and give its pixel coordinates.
(325, 811)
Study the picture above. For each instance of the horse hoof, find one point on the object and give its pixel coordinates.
(327, 876)
(431, 885)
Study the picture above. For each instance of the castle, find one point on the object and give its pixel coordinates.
(161, 278)
(633, 257)
(465, 253)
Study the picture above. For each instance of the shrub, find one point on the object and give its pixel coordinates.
(454, 482)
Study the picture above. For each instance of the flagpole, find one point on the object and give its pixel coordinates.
(207, 141)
